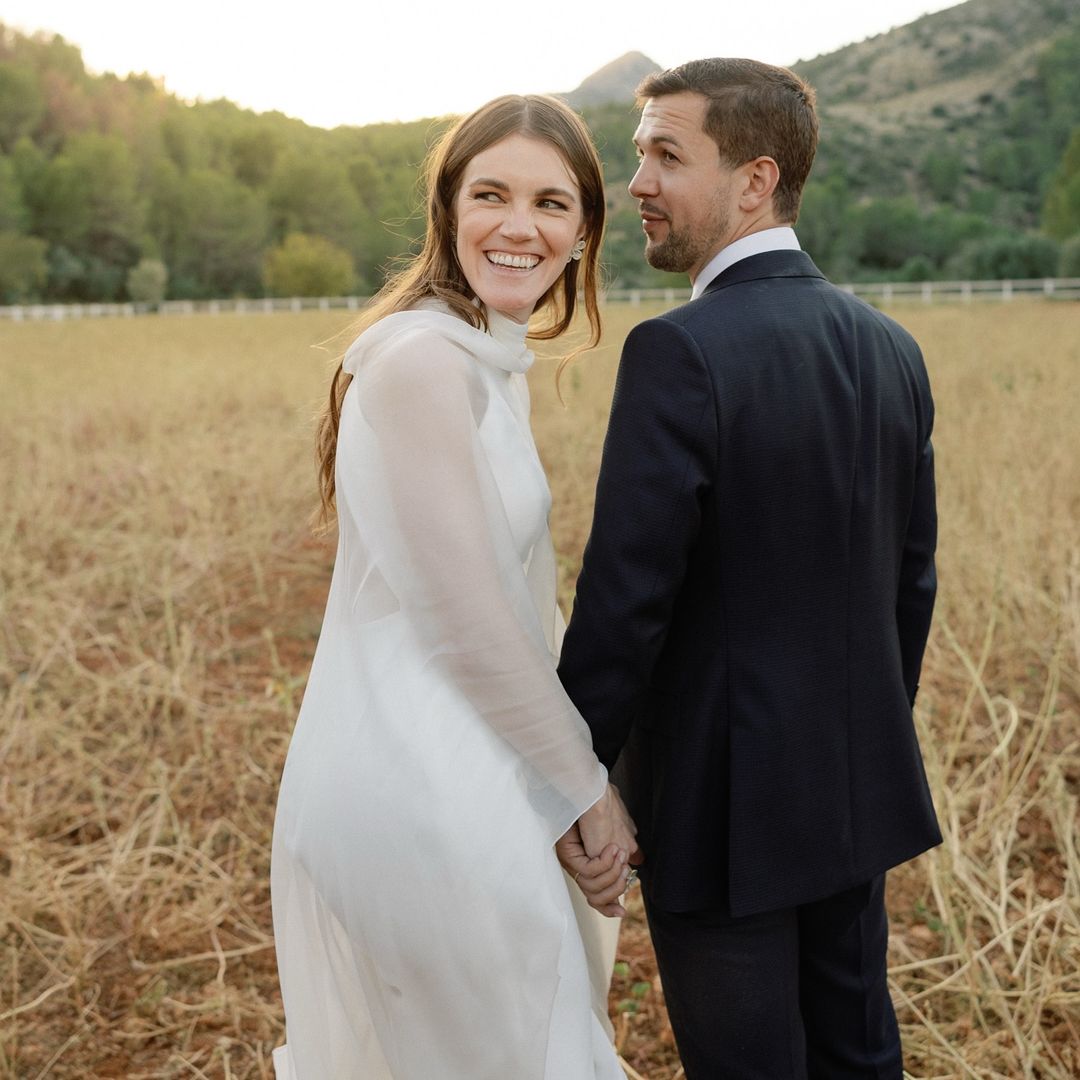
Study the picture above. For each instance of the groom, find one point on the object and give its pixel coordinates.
(755, 599)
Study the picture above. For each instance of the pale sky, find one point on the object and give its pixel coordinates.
(335, 63)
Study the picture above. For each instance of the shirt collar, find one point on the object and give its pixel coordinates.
(782, 238)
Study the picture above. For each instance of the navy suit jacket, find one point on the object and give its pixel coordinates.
(756, 592)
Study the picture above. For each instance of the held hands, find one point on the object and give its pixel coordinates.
(607, 831)
(603, 880)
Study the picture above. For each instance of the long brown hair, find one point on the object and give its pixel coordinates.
(434, 272)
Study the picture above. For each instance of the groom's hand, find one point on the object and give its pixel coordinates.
(608, 822)
(602, 879)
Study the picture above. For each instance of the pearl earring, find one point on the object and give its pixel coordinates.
(577, 250)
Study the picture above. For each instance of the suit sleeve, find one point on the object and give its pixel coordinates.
(918, 575)
(657, 466)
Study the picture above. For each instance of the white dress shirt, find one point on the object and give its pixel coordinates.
(782, 238)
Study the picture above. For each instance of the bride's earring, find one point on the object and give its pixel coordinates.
(577, 250)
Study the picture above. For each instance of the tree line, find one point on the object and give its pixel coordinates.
(114, 189)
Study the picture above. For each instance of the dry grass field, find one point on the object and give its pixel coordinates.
(160, 598)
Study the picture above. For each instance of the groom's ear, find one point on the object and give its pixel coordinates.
(759, 179)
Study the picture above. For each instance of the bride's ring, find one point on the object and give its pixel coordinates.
(576, 876)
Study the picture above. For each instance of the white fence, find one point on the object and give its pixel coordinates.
(887, 292)
(929, 292)
(59, 312)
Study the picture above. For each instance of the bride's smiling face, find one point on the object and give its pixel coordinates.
(518, 213)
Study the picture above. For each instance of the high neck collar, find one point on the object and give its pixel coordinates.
(511, 336)
(502, 347)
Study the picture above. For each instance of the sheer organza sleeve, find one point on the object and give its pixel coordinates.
(435, 528)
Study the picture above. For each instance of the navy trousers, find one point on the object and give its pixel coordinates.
(795, 994)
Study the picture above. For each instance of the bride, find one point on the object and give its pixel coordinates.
(424, 927)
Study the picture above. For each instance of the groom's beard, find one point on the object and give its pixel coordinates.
(685, 248)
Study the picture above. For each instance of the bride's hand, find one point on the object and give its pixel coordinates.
(607, 822)
(602, 880)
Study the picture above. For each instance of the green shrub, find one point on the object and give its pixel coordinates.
(146, 282)
(308, 266)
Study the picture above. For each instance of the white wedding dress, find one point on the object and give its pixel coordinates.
(424, 928)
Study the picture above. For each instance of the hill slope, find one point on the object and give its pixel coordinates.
(614, 82)
(950, 57)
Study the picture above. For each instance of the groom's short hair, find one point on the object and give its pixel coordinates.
(754, 110)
